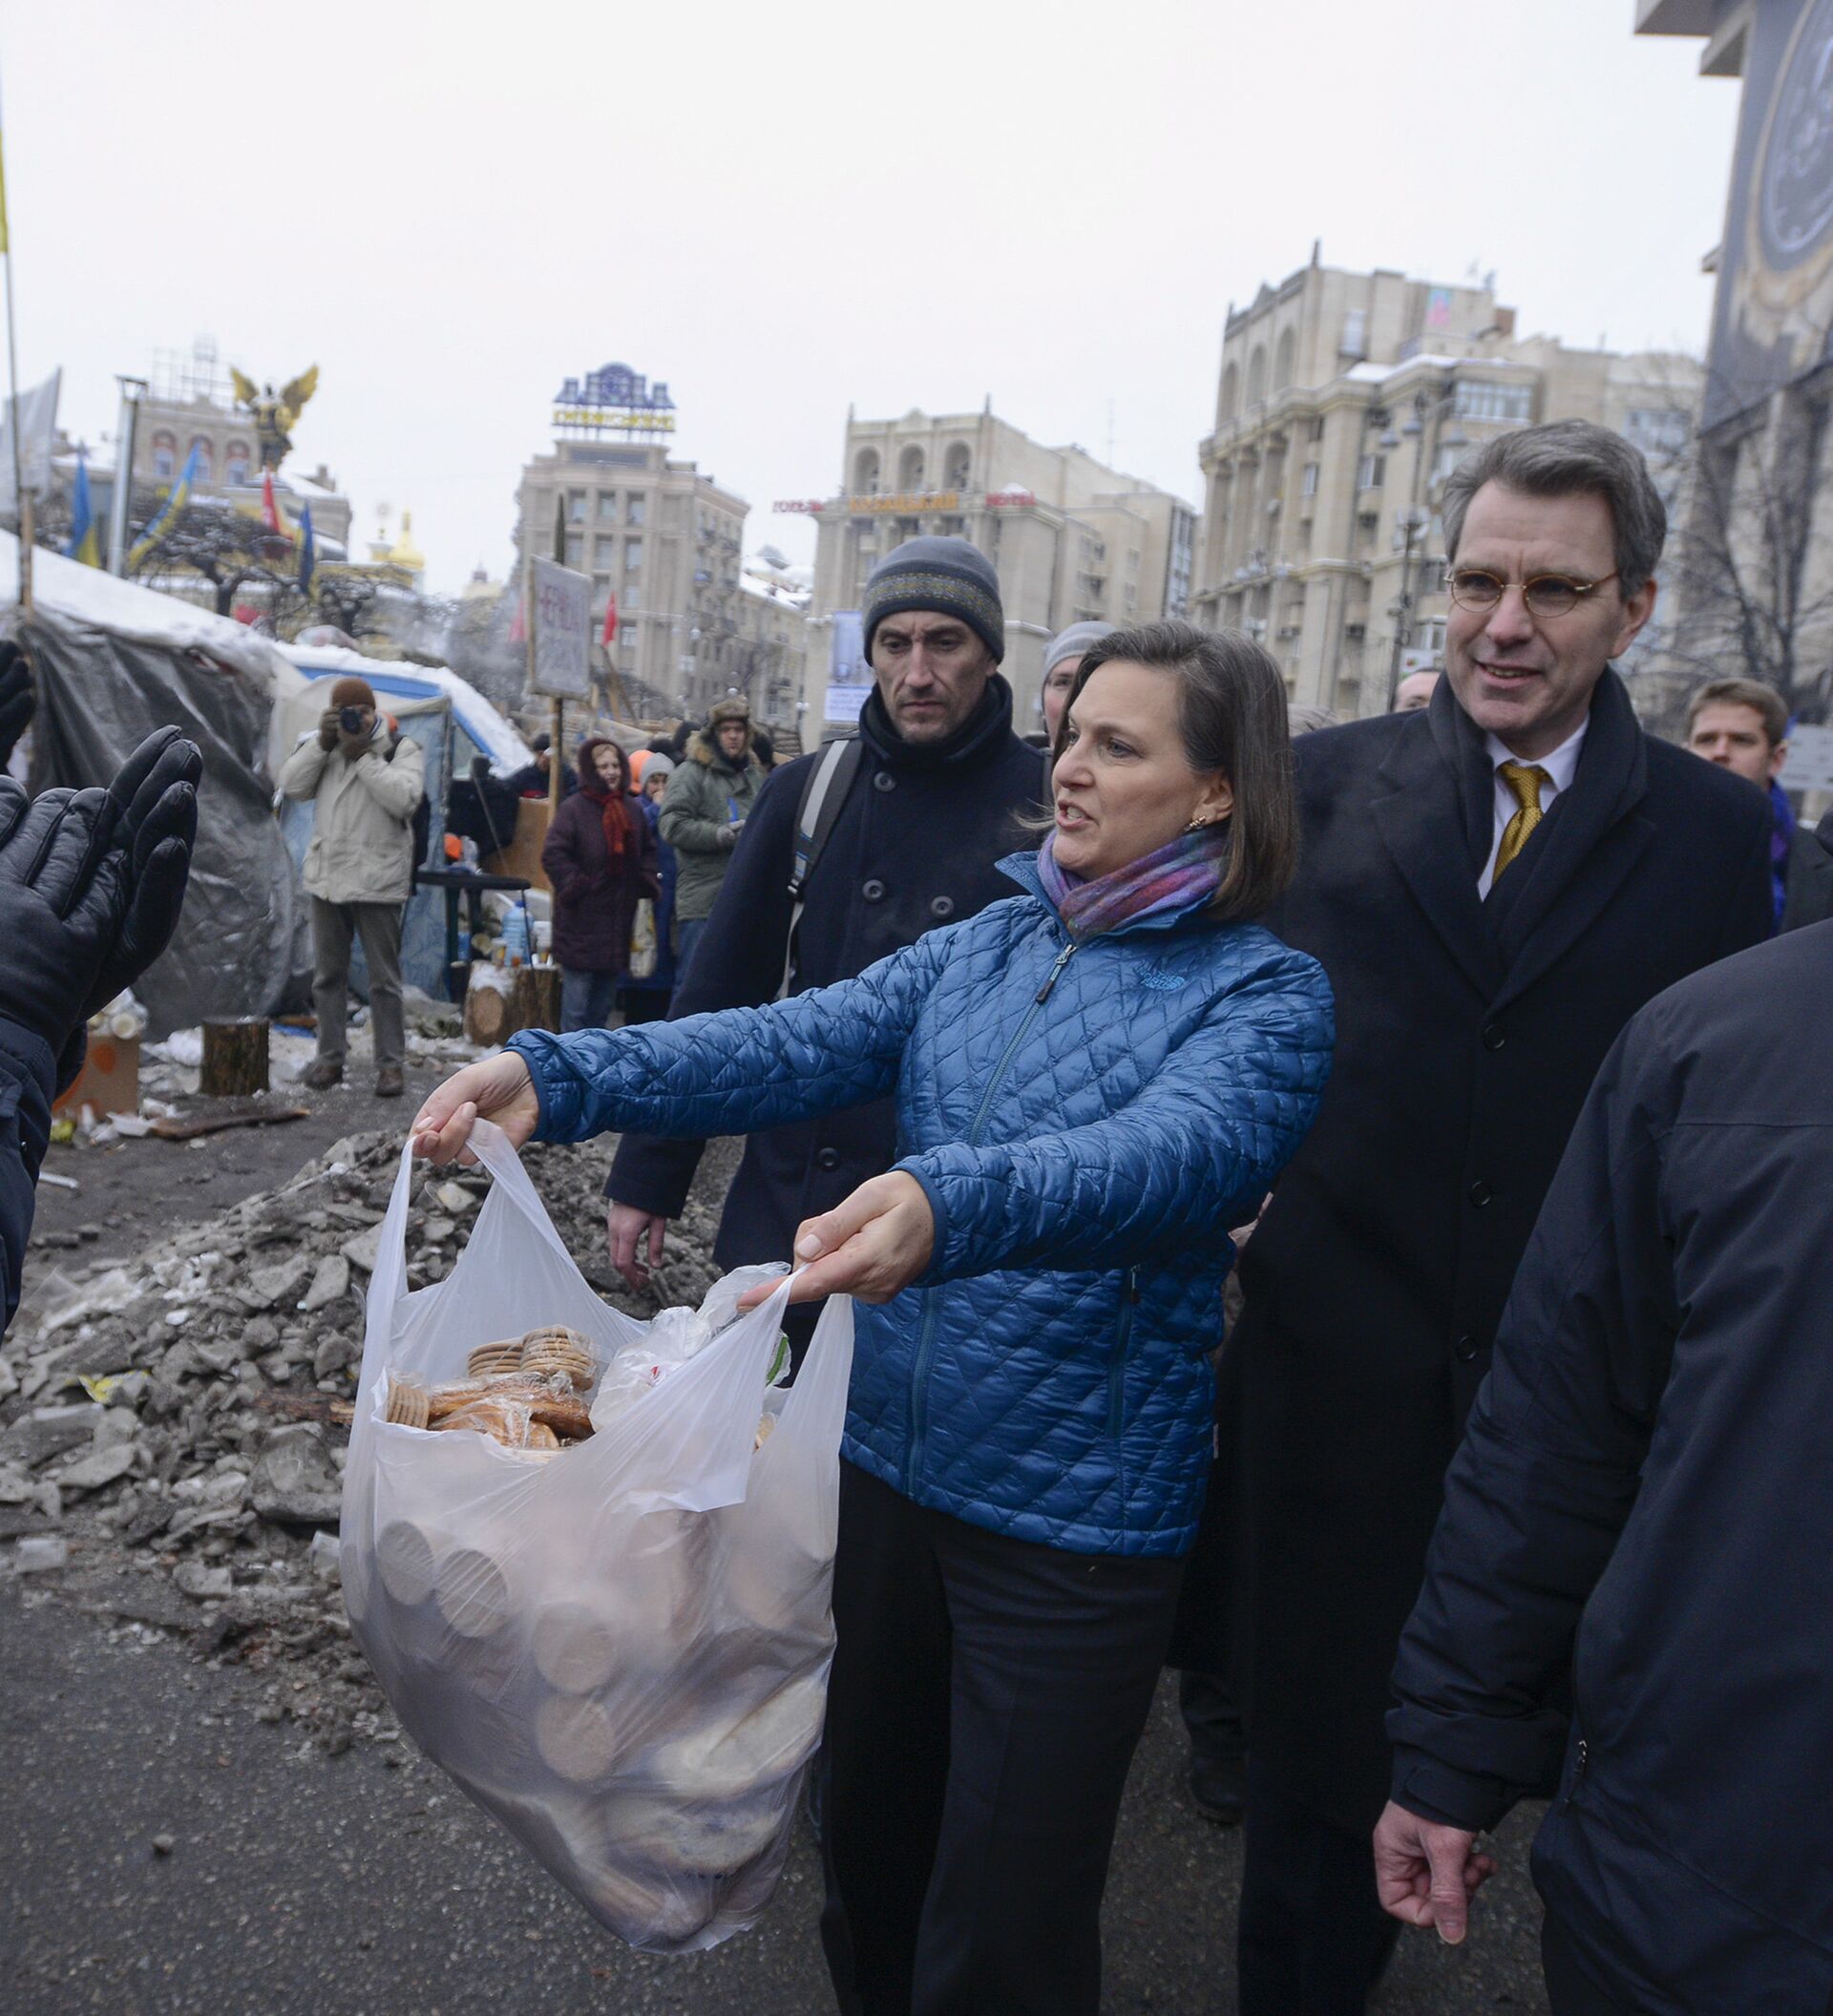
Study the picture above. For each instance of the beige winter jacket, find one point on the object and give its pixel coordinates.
(361, 844)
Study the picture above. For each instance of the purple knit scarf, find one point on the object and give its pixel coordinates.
(1175, 876)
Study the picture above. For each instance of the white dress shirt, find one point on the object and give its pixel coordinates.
(1558, 766)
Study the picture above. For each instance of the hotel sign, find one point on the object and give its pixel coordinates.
(908, 503)
(615, 400)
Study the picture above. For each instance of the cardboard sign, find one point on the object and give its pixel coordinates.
(561, 614)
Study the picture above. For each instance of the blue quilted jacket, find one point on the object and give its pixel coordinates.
(1087, 1118)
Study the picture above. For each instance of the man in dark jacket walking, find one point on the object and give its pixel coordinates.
(1643, 1489)
(933, 802)
(1494, 885)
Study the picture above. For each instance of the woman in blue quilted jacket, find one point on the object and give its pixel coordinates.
(1094, 1079)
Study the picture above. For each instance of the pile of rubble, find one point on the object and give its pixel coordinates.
(169, 1431)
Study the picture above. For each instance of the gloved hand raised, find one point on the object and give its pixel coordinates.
(91, 885)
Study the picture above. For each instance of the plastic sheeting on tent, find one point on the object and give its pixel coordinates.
(113, 662)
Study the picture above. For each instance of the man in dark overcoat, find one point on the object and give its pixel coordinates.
(934, 800)
(1494, 885)
(1641, 1502)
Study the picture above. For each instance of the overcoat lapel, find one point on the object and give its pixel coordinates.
(1579, 859)
(1423, 823)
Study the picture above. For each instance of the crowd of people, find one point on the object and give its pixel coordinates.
(1485, 1032)
(1384, 997)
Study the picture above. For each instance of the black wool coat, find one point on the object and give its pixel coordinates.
(914, 846)
(1467, 1036)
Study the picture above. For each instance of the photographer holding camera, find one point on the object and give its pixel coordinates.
(365, 784)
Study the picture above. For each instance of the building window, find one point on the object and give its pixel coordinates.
(633, 556)
(207, 457)
(1353, 342)
(1371, 473)
(575, 507)
(235, 468)
(1315, 431)
(1308, 482)
(958, 463)
(574, 554)
(604, 554)
(1230, 392)
(635, 509)
(1257, 374)
(865, 473)
(1480, 399)
(910, 470)
(165, 458)
(607, 507)
(1657, 430)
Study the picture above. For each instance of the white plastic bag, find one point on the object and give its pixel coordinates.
(620, 1650)
(642, 941)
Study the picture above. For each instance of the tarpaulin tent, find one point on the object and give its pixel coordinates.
(113, 661)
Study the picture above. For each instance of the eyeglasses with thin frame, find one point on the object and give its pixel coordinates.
(1477, 589)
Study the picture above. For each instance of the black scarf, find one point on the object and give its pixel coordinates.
(978, 738)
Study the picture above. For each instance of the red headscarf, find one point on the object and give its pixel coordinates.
(612, 812)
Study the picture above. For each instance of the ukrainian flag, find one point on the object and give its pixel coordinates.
(85, 535)
(175, 502)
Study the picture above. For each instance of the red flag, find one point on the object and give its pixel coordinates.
(610, 620)
(269, 510)
(519, 623)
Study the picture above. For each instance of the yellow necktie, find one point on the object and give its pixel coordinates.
(1524, 780)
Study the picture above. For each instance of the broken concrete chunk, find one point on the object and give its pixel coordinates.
(295, 1482)
(270, 1287)
(46, 1432)
(99, 1467)
(456, 1199)
(331, 1280)
(361, 1249)
(197, 1578)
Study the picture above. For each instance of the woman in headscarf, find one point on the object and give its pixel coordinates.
(601, 858)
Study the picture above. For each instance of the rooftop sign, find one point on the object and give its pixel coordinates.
(614, 399)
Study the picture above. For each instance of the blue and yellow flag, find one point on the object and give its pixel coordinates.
(308, 551)
(175, 501)
(85, 533)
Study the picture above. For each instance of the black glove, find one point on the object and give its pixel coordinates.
(18, 698)
(91, 885)
(155, 796)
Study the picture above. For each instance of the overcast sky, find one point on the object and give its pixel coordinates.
(451, 207)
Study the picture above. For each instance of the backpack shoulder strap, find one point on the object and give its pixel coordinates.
(822, 796)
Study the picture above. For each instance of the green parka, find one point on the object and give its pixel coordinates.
(706, 794)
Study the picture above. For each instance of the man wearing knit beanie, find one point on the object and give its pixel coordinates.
(365, 785)
(1063, 658)
(935, 633)
(930, 793)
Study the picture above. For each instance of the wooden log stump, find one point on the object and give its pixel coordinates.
(538, 997)
(235, 1057)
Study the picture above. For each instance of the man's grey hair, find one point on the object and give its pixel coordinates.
(1565, 458)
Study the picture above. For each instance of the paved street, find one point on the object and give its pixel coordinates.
(298, 1886)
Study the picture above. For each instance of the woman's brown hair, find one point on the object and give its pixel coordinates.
(1232, 713)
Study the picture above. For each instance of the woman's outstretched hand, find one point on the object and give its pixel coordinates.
(871, 1246)
(498, 1088)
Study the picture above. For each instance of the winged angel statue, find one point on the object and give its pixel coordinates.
(275, 415)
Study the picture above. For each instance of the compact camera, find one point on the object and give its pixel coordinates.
(351, 719)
